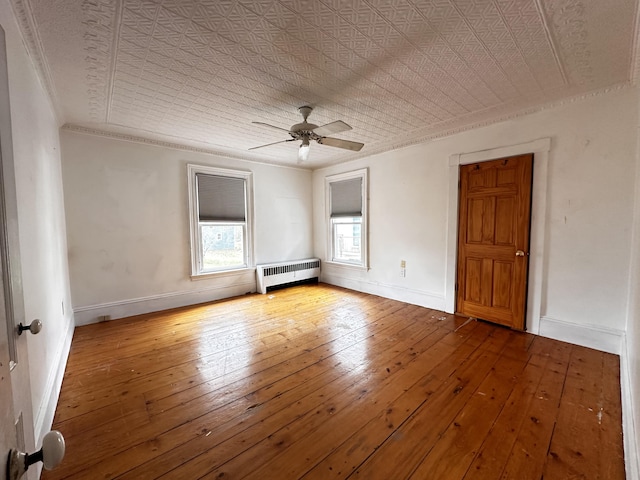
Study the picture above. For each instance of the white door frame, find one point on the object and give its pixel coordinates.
(541, 150)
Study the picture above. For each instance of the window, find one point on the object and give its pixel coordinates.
(219, 207)
(347, 207)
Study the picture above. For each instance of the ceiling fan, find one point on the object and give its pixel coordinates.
(308, 131)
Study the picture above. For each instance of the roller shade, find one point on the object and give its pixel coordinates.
(346, 198)
(220, 198)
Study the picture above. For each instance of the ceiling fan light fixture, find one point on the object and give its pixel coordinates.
(303, 151)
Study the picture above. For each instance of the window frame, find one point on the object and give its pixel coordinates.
(195, 224)
(364, 225)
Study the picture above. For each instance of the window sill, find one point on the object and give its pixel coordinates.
(236, 272)
(350, 266)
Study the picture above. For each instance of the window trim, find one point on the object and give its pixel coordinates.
(194, 221)
(362, 173)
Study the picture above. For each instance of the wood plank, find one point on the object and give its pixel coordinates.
(319, 382)
(306, 408)
(587, 419)
(236, 391)
(456, 448)
(492, 456)
(442, 360)
(529, 452)
(299, 452)
(397, 457)
(184, 375)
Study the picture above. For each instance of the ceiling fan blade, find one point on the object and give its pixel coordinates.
(337, 142)
(274, 143)
(271, 126)
(331, 128)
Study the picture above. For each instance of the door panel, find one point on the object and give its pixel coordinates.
(475, 226)
(494, 222)
(474, 274)
(505, 210)
(502, 275)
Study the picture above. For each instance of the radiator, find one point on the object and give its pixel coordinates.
(275, 274)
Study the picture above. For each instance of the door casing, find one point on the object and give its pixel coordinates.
(541, 148)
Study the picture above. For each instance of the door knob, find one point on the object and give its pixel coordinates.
(50, 455)
(34, 327)
(520, 253)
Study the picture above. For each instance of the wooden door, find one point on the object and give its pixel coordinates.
(493, 240)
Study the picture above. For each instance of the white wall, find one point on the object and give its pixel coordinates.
(590, 189)
(128, 225)
(407, 221)
(41, 224)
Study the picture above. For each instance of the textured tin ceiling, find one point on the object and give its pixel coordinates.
(198, 72)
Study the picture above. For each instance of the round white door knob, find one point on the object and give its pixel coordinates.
(50, 455)
(34, 327)
(53, 448)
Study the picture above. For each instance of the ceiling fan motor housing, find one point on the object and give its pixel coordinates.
(303, 130)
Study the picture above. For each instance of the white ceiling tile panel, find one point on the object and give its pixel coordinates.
(146, 8)
(397, 71)
(140, 23)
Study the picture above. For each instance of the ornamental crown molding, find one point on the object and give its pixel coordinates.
(101, 19)
(97, 132)
(635, 50)
(406, 142)
(31, 38)
(499, 118)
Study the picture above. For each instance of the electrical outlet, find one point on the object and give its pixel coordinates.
(403, 268)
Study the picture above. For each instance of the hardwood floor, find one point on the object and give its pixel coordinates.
(319, 382)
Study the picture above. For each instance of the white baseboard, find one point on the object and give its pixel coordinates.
(591, 336)
(394, 292)
(138, 306)
(47, 410)
(631, 454)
